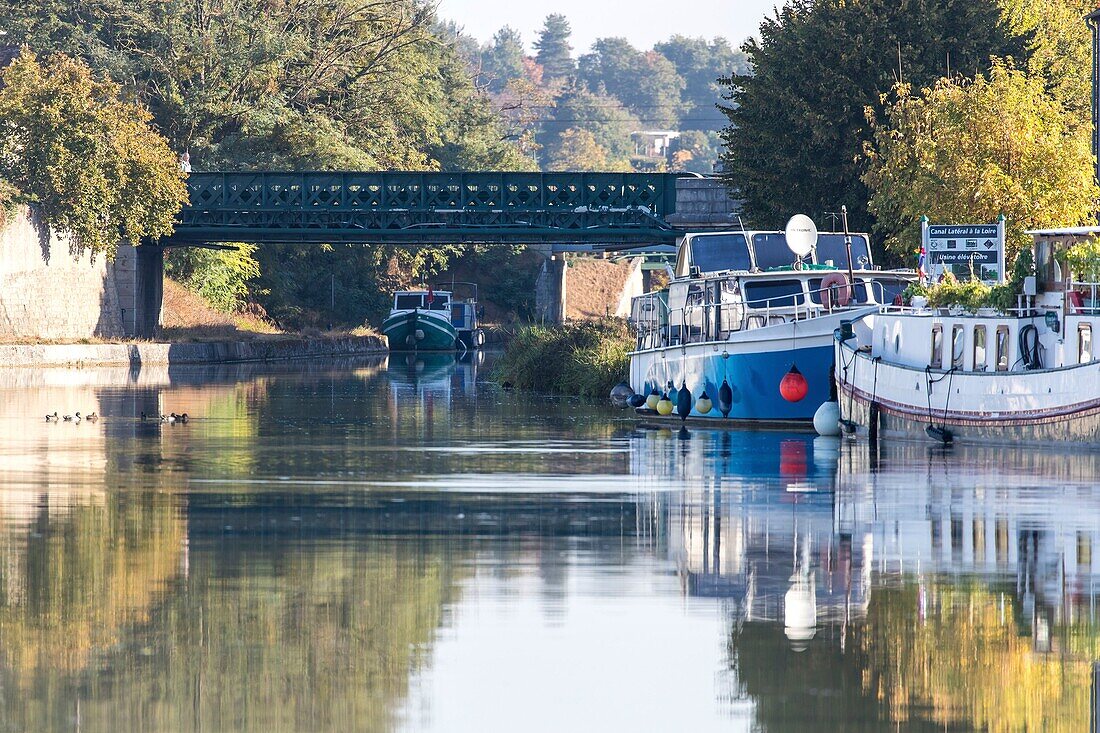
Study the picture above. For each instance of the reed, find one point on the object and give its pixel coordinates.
(585, 358)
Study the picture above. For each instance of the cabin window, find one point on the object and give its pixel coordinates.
(859, 291)
(1002, 348)
(958, 346)
(979, 348)
(408, 301)
(1084, 343)
(936, 362)
(717, 252)
(771, 250)
(831, 247)
(886, 291)
(774, 293)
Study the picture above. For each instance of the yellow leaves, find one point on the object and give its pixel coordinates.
(86, 159)
(968, 151)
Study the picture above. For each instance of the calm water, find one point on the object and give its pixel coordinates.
(385, 546)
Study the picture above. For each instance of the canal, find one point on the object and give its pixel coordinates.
(401, 545)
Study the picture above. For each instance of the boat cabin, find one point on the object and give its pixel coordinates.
(726, 282)
(752, 251)
(435, 300)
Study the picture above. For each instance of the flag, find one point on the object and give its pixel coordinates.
(431, 296)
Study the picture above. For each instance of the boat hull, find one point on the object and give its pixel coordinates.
(418, 331)
(1043, 406)
(753, 362)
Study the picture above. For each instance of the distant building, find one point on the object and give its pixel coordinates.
(653, 145)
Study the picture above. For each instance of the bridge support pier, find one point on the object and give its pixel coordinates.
(551, 290)
(140, 286)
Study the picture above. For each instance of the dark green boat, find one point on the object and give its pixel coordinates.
(420, 321)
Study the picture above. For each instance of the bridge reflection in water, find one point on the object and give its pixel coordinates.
(937, 589)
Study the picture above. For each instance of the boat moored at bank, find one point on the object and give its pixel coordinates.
(420, 320)
(1022, 374)
(746, 324)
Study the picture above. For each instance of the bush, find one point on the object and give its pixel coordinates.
(89, 161)
(586, 358)
(220, 276)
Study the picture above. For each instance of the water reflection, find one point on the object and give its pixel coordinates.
(936, 590)
(398, 544)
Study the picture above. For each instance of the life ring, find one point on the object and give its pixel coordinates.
(835, 283)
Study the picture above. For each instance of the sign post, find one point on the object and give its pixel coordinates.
(962, 249)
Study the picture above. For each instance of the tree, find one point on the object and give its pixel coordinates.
(967, 151)
(696, 151)
(796, 129)
(577, 150)
(647, 83)
(88, 161)
(554, 52)
(701, 64)
(609, 122)
(502, 60)
(1059, 48)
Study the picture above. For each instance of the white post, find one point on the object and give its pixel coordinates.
(1001, 247)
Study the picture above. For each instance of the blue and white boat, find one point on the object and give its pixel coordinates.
(743, 311)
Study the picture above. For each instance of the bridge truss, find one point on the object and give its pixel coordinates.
(604, 209)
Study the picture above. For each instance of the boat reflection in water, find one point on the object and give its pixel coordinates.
(912, 587)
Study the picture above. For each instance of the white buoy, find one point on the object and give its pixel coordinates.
(826, 418)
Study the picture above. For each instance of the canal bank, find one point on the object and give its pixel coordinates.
(213, 352)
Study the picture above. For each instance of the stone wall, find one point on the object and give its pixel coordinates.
(704, 203)
(48, 291)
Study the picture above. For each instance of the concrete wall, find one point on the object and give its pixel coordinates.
(50, 291)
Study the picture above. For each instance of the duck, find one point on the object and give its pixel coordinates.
(70, 418)
(183, 418)
(168, 418)
(91, 416)
(52, 418)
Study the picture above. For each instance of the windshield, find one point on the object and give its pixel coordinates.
(771, 250)
(718, 252)
(831, 247)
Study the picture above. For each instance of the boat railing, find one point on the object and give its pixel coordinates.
(1082, 296)
(658, 325)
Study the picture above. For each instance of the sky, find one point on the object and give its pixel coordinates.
(642, 22)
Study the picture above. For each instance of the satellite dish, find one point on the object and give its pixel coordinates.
(801, 233)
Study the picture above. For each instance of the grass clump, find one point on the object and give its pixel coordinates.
(585, 358)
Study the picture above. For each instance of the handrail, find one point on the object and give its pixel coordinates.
(706, 322)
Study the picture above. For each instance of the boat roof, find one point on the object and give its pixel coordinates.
(1064, 231)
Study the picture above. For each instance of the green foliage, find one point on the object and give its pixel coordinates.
(970, 295)
(554, 51)
(646, 83)
(971, 150)
(797, 126)
(221, 277)
(86, 159)
(696, 151)
(585, 358)
(508, 280)
(700, 64)
(1059, 49)
(1083, 260)
(604, 117)
(502, 60)
(973, 294)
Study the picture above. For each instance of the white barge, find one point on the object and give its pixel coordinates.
(1026, 375)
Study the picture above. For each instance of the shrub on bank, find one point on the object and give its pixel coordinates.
(585, 358)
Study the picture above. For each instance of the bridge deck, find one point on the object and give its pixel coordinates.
(413, 208)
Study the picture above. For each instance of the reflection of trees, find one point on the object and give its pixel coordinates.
(967, 661)
(942, 655)
(320, 639)
(72, 583)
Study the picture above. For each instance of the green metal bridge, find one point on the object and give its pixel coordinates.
(602, 209)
